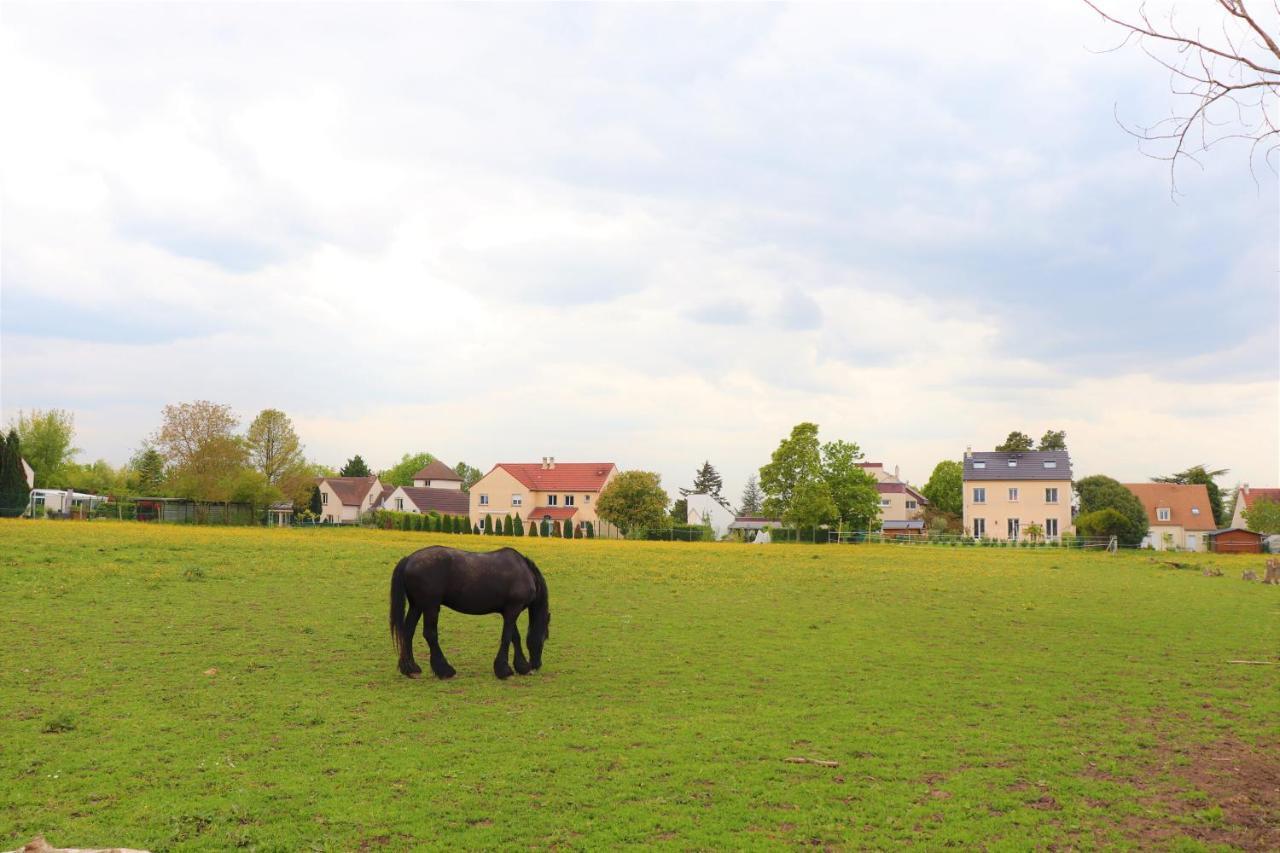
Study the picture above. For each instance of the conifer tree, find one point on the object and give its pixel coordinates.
(533, 528)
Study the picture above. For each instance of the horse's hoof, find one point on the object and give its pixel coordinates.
(445, 672)
(417, 674)
(523, 668)
(503, 672)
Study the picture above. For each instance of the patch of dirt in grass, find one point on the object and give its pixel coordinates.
(1241, 806)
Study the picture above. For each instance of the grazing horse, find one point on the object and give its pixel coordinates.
(503, 581)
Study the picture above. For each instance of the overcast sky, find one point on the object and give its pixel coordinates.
(644, 234)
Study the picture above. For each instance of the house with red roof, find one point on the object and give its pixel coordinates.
(1247, 496)
(343, 500)
(546, 490)
(1179, 515)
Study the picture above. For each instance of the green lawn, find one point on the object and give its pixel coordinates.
(172, 687)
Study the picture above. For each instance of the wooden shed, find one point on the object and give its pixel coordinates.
(1235, 540)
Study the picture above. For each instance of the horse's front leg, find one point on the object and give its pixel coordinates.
(430, 633)
(522, 666)
(501, 668)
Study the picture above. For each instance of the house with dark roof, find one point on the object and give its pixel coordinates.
(1180, 516)
(1247, 496)
(899, 502)
(437, 475)
(1005, 493)
(546, 490)
(343, 500)
(421, 499)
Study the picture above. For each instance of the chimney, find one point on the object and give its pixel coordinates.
(551, 463)
(895, 473)
(968, 451)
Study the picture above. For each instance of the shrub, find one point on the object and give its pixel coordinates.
(475, 530)
(590, 530)
(517, 525)
(546, 527)
(533, 528)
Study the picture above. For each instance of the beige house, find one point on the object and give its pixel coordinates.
(1005, 493)
(550, 490)
(437, 475)
(343, 500)
(1247, 497)
(420, 499)
(900, 505)
(1180, 516)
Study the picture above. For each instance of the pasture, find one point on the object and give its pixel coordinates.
(197, 688)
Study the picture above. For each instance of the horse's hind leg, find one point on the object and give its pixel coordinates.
(408, 665)
(522, 666)
(431, 633)
(501, 668)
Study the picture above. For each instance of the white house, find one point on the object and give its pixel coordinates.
(61, 502)
(444, 501)
(437, 475)
(344, 499)
(705, 509)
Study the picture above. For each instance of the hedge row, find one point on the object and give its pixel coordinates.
(386, 519)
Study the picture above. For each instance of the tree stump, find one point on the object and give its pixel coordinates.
(1249, 576)
(1273, 572)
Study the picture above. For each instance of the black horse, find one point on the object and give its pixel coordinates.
(503, 581)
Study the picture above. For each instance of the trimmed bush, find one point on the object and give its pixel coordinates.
(533, 528)
(590, 530)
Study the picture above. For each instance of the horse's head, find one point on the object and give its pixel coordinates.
(539, 631)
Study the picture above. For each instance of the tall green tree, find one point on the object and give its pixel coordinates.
(752, 497)
(401, 473)
(1015, 442)
(680, 511)
(13, 481)
(1198, 475)
(148, 472)
(274, 446)
(797, 459)
(811, 504)
(706, 481)
(1053, 440)
(1100, 492)
(46, 436)
(355, 467)
(468, 474)
(315, 504)
(1263, 517)
(853, 491)
(204, 454)
(633, 500)
(945, 489)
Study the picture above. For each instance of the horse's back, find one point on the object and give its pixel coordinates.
(467, 581)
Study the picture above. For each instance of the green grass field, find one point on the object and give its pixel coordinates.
(195, 688)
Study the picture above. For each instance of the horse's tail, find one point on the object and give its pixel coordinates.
(398, 601)
(539, 584)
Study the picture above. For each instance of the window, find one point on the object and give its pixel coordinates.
(979, 496)
(1050, 464)
(1013, 494)
(568, 500)
(324, 498)
(399, 503)
(979, 528)
(484, 500)
(1162, 513)
(911, 504)
(1195, 510)
(586, 499)
(979, 465)
(1014, 528)
(551, 500)
(884, 502)
(1013, 463)
(1051, 496)
(517, 500)
(39, 500)
(1051, 527)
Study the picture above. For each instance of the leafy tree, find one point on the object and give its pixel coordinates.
(633, 499)
(1198, 475)
(811, 504)
(1100, 492)
(1034, 531)
(1263, 517)
(98, 478)
(468, 474)
(45, 437)
(401, 473)
(13, 481)
(680, 510)
(533, 528)
(205, 456)
(148, 469)
(1016, 441)
(752, 497)
(797, 459)
(945, 489)
(1105, 522)
(274, 447)
(315, 506)
(1053, 440)
(706, 481)
(853, 491)
(355, 467)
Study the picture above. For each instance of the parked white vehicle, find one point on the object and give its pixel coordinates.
(61, 502)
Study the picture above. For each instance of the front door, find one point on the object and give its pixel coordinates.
(1013, 530)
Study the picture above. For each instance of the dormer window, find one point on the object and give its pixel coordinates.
(1162, 513)
(979, 465)
(1195, 510)
(1051, 464)
(1013, 463)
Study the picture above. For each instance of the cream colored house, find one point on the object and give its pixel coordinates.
(437, 475)
(900, 504)
(421, 499)
(1180, 516)
(343, 500)
(1005, 493)
(549, 490)
(1247, 497)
